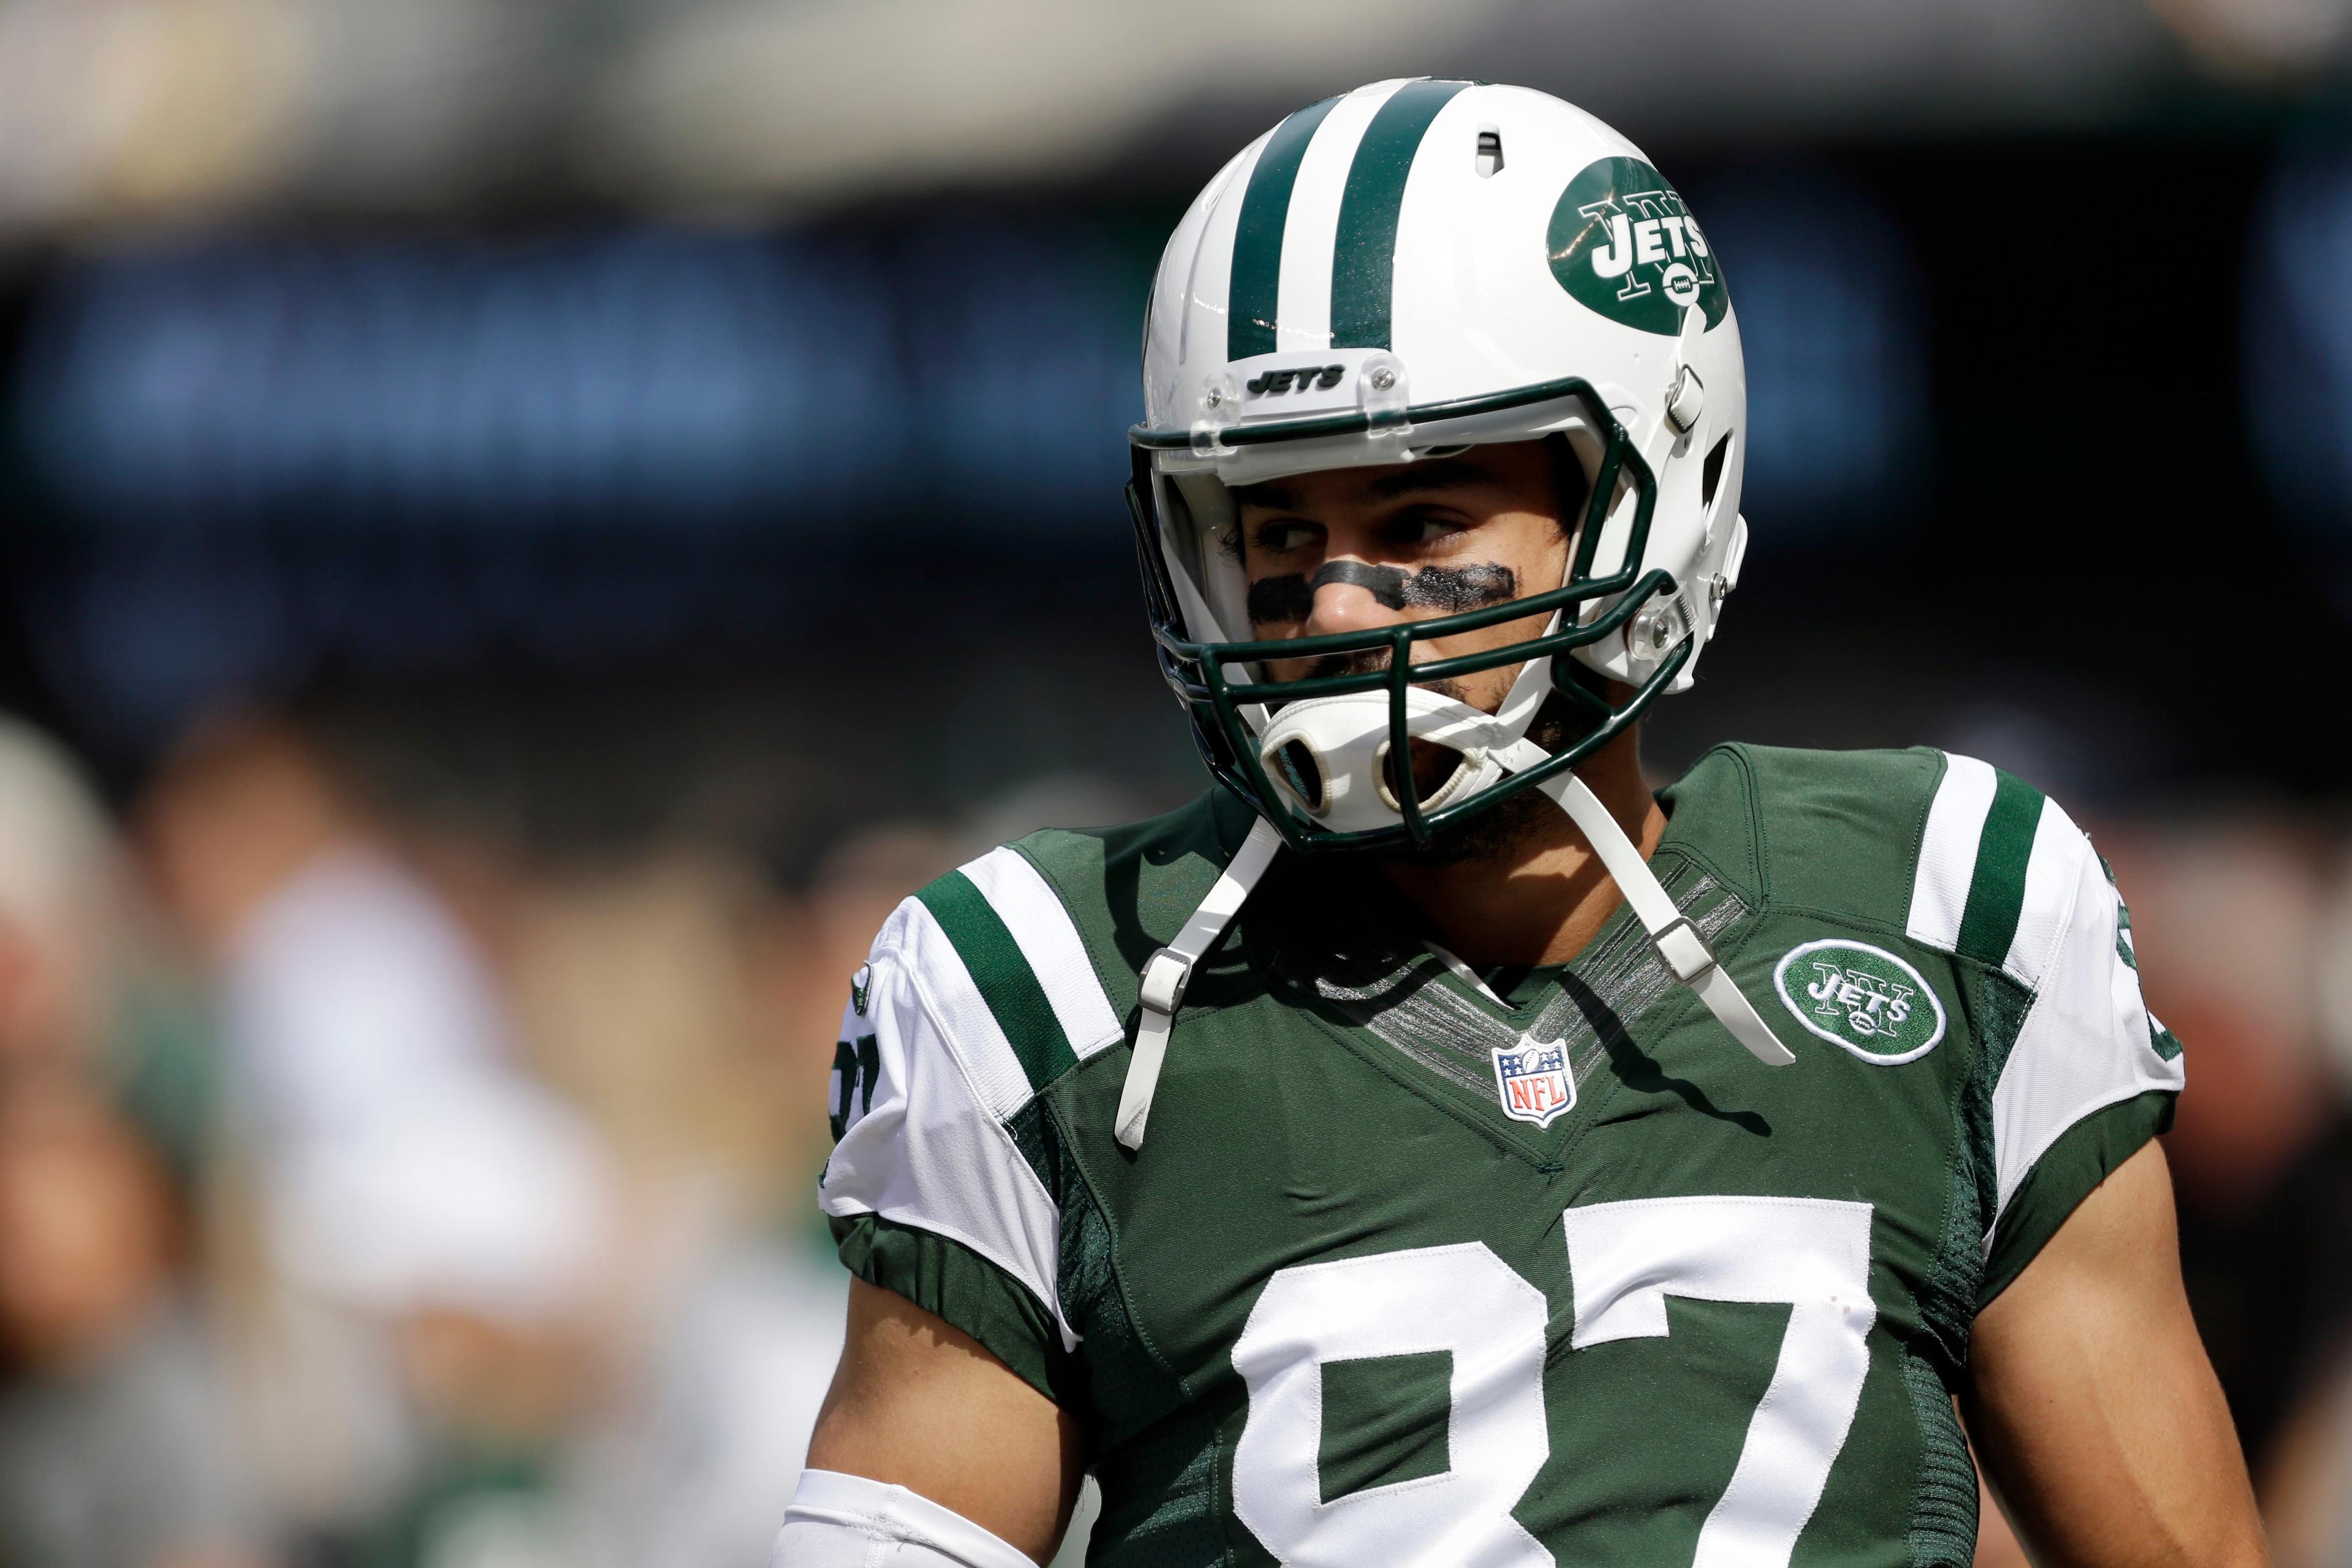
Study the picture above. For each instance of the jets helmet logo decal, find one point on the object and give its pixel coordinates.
(1862, 998)
(1623, 243)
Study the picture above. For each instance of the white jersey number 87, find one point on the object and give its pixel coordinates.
(1625, 1259)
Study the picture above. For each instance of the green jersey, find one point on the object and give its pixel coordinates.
(1421, 1267)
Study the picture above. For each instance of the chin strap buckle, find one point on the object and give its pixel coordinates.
(1686, 952)
(1165, 976)
(1168, 971)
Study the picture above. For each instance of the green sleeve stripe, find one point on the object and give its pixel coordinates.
(1015, 1000)
(955, 1284)
(1996, 889)
(1253, 295)
(2068, 1172)
(1363, 256)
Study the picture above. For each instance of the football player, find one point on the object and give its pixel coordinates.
(1431, 1148)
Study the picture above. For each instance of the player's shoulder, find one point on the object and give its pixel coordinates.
(1126, 890)
(1959, 855)
(1039, 943)
(1836, 831)
(1137, 865)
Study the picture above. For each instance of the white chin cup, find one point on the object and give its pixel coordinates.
(1328, 753)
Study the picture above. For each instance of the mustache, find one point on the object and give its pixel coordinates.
(1372, 661)
(1290, 599)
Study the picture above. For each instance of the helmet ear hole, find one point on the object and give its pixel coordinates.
(1303, 771)
(1710, 478)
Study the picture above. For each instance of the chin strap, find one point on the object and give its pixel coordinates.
(1170, 971)
(1687, 956)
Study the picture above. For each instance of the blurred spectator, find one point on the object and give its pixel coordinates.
(480, 1229)
(354, 1009)
(642, 992)
(2307, 1486)
(2226, 914)
(737, 1370)
(2225, 910)
(114, 1452)
(115, 1449)
(59, 892)
(634, 991)
(444, 1160)
(349, 991)
(84, 987)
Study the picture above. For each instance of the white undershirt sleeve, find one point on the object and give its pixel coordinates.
(838, 1521)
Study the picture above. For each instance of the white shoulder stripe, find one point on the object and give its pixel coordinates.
(932, 963)
(2085, 1042)
(1310, 236)
(1948, 852)
(2054, 876)
(926, 1143)
(1049, 940)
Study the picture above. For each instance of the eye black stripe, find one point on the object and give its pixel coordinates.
(1363, 261)
(1254, 293)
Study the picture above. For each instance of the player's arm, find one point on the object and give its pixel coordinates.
(920, 1404)
(2092, 1404)
(942, 1442)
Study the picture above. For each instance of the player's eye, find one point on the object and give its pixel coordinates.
(1280, 537)
(1424, 528)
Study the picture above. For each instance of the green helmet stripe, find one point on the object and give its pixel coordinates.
(1363, 261)
(1003, 975)
(1997, 890)
(1253, 296)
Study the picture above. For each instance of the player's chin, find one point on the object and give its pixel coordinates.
(1488, 834)
(1494, 832)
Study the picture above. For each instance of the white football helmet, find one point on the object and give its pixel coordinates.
(1404, 270)
(1407, 268)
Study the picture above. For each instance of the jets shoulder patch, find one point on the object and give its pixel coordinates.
(1861, 998)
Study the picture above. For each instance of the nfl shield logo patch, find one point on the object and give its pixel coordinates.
(1533, 1079)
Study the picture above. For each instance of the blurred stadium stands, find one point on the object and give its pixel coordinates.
(529, 526)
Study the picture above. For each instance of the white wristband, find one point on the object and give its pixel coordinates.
(838, 1521)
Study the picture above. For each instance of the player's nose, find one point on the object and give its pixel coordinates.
(1340, 605)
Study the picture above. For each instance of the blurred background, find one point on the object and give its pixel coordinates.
(529, 524)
